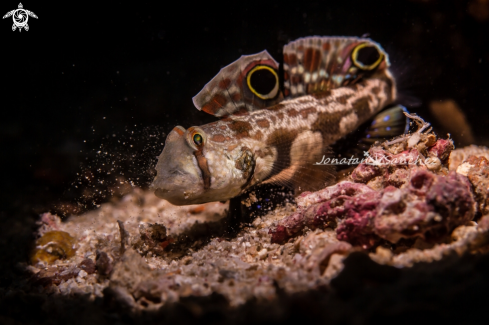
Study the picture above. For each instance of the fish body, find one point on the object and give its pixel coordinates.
(331, 87)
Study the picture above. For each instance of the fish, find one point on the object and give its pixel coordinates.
(275, 122)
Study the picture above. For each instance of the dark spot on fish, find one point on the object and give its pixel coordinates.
(280, 116)
(292, 112)
(224, 84)
(362, 108)
(236, 97)
(258, 135)
(328, 123)
(273, 118)
(306, 111)
(218, 138)
(241, 128)
(376, 90)
(213, 106)
(263, 123)
(223, 127)
(297, 78)
(343, 99)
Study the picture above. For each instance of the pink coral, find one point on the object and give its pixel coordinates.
(320, 209)
(431, 207)
(393, 168)
(441, 149)
(411, 202)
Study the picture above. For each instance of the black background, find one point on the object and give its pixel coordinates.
(85, 71)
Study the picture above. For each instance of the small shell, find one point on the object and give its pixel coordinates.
(52, 246)
(433, 163)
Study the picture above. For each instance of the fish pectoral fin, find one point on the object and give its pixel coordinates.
(307, 175)
(313, 178)
(299, 163)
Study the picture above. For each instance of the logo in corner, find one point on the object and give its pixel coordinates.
(20, 17)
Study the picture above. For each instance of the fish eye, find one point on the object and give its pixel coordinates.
(367, 56)
(262, 80)
(198, 140)
(196, 137)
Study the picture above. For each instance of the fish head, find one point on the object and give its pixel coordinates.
(177, 171)
(193, 170)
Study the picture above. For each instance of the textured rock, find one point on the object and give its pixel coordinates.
(430, 207)
(404, 197)
(478, 175)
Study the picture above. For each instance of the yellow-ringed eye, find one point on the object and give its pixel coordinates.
(196, 137)
(367, 56)
(263, 81)
(198, 140)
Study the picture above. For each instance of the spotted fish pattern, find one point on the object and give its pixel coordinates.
(268, 133)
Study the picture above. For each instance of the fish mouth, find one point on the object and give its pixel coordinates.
(175, 197)
(176, 186)
(171, 182)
